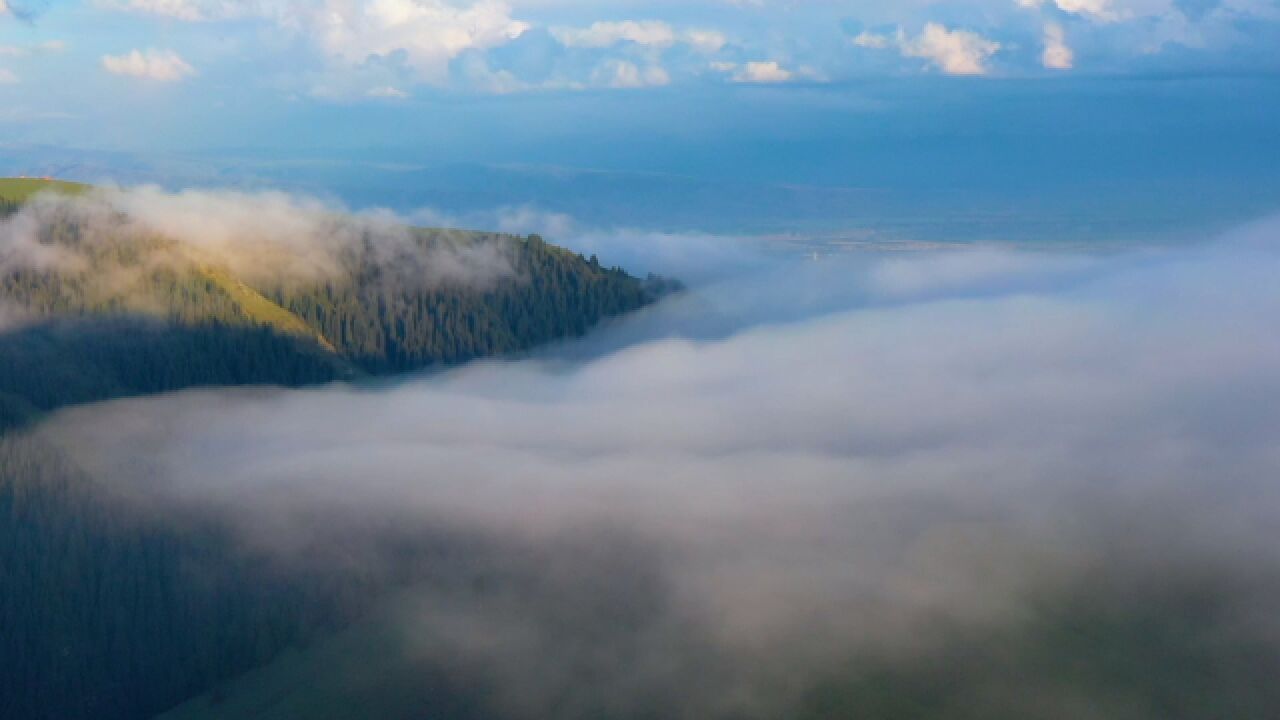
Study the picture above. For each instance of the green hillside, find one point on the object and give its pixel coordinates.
(258, 310)
(368, 319)
(111, 616)
(15, 191)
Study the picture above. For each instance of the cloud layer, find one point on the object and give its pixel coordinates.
(785, 469)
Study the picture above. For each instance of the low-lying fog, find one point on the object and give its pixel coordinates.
(800, 470)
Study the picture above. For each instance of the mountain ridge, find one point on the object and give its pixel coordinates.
(427, 298)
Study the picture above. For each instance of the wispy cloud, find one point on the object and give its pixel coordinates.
(646, 33)
(624, 74)
(768, 71)
(158, 65)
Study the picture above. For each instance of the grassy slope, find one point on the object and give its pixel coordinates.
(257, 308)
(262, 311)
(19, 190)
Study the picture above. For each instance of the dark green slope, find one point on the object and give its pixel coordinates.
(72, 361)
(109, 613)
(15, 191)
(389, 324)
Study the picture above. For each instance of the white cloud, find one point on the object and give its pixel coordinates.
(871, 40)
(1097, 10)
(388, 92)
(763, 72)
(4, 8)
(647, 33)
(607, 34)
(188, 10)
(430, 33)
(48, 46)
(7, 77)
(428, 37)
(159, 65)
(955, 52)
(1057, 54)
(624, 74)
(707, 41)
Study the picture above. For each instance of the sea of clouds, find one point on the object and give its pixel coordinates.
(702, 509)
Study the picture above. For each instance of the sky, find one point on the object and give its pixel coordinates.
(744, 115)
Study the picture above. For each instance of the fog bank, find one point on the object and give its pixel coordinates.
(787, 475)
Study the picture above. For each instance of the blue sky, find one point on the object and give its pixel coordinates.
(1085, 100)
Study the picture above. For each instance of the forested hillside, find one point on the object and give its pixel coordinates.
(110, 613)
(178, 319)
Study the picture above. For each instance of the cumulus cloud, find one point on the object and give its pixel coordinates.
(766, 71)
(706, 41)
(429, 37)
(976, 441)
(624, 74)
(158, 65)
(1057, 54)
(430, 33)
(1098, 10)
(955, 52)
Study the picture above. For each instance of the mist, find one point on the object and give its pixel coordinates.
(263, 237)
(917, 468)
